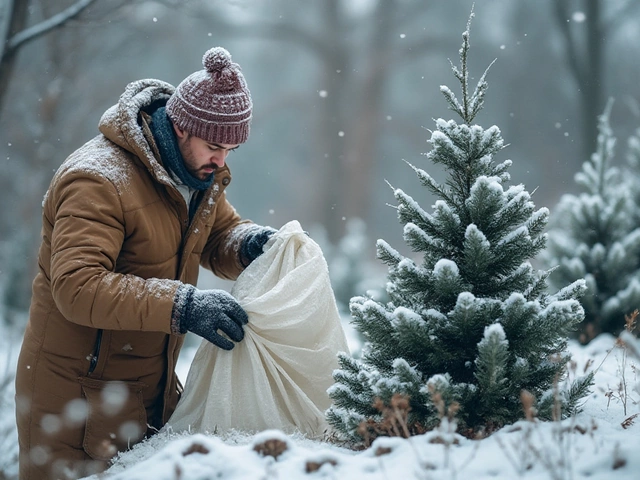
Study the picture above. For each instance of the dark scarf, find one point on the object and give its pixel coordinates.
(163, 133)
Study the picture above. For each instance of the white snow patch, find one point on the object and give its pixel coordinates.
(445, 266)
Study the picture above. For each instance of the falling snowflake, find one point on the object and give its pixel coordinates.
(578, 17)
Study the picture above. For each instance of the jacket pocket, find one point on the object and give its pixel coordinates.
(116, 417)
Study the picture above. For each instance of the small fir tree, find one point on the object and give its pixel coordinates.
(595, 236)
(633, 163)
(469, 328)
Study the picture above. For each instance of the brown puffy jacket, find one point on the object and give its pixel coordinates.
(96, 369)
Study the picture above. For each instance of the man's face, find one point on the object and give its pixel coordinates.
(202, 158)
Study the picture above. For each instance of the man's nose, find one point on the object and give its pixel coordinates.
(220, 157)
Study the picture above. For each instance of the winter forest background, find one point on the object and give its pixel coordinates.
(344, 91)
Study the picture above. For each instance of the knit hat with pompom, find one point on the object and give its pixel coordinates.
(215, 103)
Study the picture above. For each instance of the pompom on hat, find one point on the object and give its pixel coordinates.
(215, 103)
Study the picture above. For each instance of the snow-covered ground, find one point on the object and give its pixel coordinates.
(593, 445)
(9, 349)
(600, 443)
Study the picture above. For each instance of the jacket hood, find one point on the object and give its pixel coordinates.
(121, 124)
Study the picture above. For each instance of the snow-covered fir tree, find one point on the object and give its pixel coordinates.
(596, 236)
(470, 326)
(633, 163)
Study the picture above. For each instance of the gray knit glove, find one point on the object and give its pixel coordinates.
(253, 243)
(204, 312)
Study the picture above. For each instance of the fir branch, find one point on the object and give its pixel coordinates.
(477, 256)
(517, 279)
(538, 222)
(477, 99)
(471, 103)
(387, 254)
(580, 388)
(419, 241)
(538, 288)
(464, 76)
(491, 370)
(501, 170)
(594, 173)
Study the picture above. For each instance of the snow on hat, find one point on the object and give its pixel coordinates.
(215, 103)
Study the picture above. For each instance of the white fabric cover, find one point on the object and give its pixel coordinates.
(278, 375)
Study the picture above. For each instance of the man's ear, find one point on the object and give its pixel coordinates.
(179, 132)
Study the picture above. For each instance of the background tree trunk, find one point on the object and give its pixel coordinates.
(586, 32)
(13, 20)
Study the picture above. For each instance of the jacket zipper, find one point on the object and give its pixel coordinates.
(96, 353)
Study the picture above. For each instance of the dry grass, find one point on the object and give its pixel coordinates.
(394, 421)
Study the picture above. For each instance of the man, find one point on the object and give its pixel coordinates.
(127, 221)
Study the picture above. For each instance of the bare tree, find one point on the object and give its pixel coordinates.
(14, 32)
(586, 27)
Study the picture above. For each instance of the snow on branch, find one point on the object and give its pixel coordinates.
(470, 103)
(43, 27)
